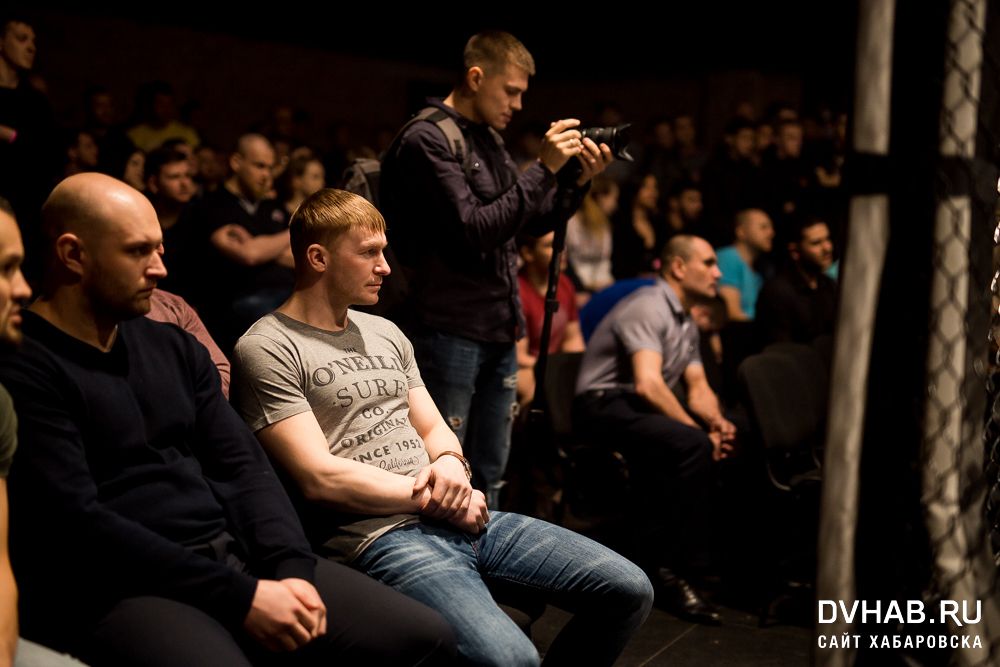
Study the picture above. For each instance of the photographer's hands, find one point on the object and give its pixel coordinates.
(594, 159)
(562, 142)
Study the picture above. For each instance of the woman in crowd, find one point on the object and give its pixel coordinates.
(304, 176)
(133, 171)
(588, 238)
(639, 230)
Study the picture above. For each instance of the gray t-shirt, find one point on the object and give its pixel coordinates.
(650, 318)
(8, 431)
(356, 383)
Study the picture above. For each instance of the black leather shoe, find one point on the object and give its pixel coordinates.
(676, 596)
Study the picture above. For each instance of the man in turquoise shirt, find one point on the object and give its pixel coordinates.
(740, 282)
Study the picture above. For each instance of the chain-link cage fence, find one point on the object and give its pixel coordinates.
(954, 487)
(911, 507)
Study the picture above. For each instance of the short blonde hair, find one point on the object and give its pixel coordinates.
(494, 49)
(327, 214)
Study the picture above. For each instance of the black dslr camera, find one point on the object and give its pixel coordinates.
(617, 139)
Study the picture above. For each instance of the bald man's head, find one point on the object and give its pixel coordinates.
(104, 244)
(253, 165)
(86, 204)
(250, 142)
(690, 266)
(679, 246)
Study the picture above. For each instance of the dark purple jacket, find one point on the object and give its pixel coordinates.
(456, 232)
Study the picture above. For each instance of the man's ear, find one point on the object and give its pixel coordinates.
(317, 258)
(678, 267)
(740, 233)
(474, 78)
(70, 251)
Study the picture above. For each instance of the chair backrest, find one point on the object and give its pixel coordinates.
(560, 383)
(786, 388)
(594, 478)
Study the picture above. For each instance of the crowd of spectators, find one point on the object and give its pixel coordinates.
(767, 201)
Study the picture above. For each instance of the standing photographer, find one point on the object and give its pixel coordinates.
(453, 212)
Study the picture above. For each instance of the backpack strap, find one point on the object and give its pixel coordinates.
(362, 177)
(452, 134)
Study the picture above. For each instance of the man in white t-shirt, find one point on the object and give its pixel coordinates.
(336, 398)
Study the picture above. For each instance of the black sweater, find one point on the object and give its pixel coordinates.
(125, 459)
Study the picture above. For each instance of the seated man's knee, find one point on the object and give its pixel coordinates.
(624, 590)
(493, 639)
(516, 650)
(634, 592)
(526, 654)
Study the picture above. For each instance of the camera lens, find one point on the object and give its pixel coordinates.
(617, 139)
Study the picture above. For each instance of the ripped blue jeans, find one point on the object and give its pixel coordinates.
(474, 385)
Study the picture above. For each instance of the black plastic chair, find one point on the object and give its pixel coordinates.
(786, 388)
(594, 478)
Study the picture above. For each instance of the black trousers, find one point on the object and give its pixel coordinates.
(671, 476)
(367, 623)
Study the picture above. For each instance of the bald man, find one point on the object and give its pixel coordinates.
(147, 526)
(640, 356)
(246, 258)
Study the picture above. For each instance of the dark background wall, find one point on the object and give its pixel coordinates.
(366, 69)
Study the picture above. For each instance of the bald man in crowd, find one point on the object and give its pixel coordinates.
(641, 361)
(741, 277)
(147, 526)
(246, 258)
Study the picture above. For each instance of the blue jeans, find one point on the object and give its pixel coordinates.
(474, 385)
(448, 570)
